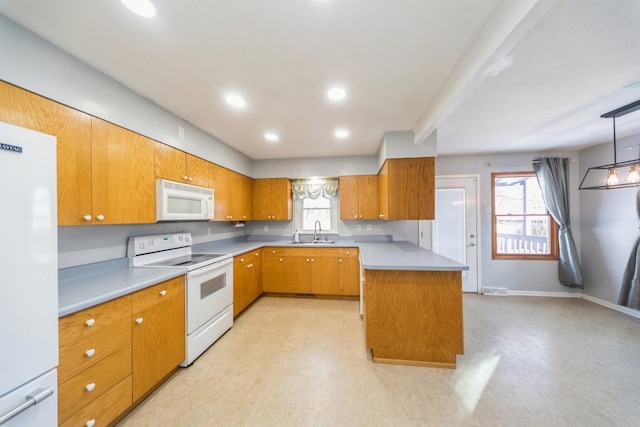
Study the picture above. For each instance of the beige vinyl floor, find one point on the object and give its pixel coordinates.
(528, 361)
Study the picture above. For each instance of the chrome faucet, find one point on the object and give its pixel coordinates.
(316, 227)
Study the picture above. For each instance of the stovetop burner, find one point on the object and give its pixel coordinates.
(186, 260)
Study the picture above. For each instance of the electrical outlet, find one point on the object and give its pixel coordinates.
(209, 231)
(266, 228)
(368, 227)
(180, 132)
(358, 227)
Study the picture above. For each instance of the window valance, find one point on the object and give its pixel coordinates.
(314, 188)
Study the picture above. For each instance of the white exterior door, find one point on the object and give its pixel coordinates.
(454, 232)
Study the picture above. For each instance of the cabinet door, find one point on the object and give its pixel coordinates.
(123, 187)
(411, 188)
(256, 274)
(368, 197)
(349, 275)
(198, 171)
(261, 199)
(234, 190)
(298, 274)
(73, 130)
(247, 198)
(281, 204)
(170, 163)
(158, 343)
(349, 196)
(220, 194)
(324, 275)
(274, 274)
(240, 293)
(383, 192)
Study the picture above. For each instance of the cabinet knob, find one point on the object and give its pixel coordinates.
(273, 252)
(249, 265)
(359, 216)
(139, 320)
(312, 259)
(90, 423)
(280, 259)
(257, 254)
(307, 259)
(100, 217)
(90, 386)
(381, 216)
(348, 253)
(355, 215)
(163, 293)
(87, 217)
(241, 259)
(185, 177)
(339, 260)
(190, 178)
(90, 322)
(90, 352)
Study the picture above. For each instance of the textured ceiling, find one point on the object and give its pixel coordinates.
(406, 64)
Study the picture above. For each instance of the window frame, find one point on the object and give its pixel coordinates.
(298, 213)
(553, 226)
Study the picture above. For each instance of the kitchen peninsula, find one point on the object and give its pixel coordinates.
(412, 305)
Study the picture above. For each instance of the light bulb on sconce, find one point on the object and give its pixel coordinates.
(612, 177)
(634, 175)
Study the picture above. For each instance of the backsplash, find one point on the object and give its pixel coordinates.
(97, 243)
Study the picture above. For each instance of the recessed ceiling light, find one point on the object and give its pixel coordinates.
(341, 133)
(336, 94)
(140, 7)
(271, 137)
(235, 100)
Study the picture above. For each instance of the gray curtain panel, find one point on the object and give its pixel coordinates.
(630, 287)
(553, 178)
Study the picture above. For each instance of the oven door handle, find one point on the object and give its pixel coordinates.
(208, 269)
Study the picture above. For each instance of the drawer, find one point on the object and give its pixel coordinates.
(92, 319)
(105, 409)
(157, 293)
(273, 251)
(246, 257)
(347, 252)
(80, 354)
(312, 252)
(82, 389)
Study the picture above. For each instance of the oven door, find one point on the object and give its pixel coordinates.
(209, 291)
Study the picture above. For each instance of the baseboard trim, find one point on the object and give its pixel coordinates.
(545, 294)
(622, 309)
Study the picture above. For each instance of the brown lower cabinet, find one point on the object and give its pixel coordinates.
(114, 353)
(318, 271)
(247, 280)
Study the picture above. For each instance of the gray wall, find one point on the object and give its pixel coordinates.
(30, 62)
(320, 166)
(526, 276)
(609, 225)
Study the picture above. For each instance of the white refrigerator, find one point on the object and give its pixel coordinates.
(28, 278)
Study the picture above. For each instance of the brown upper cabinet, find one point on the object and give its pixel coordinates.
(359, 197)
(272, 199)
(406, 189)
(176, 165)
(233, 195)
(122, 181)
(105, 173)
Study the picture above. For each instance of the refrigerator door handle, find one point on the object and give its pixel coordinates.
(34, 398)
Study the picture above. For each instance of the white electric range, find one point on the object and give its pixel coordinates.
(209, 285)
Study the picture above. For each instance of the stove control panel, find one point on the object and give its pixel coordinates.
(141, 245)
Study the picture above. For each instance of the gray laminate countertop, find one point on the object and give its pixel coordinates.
(86, 286)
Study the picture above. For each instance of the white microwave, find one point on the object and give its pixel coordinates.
(176, 201)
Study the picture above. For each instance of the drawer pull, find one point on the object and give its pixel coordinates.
(90, 386)
(90, 352)
(90, 423)
(139, 320)
(163, 292)
(90, 322)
